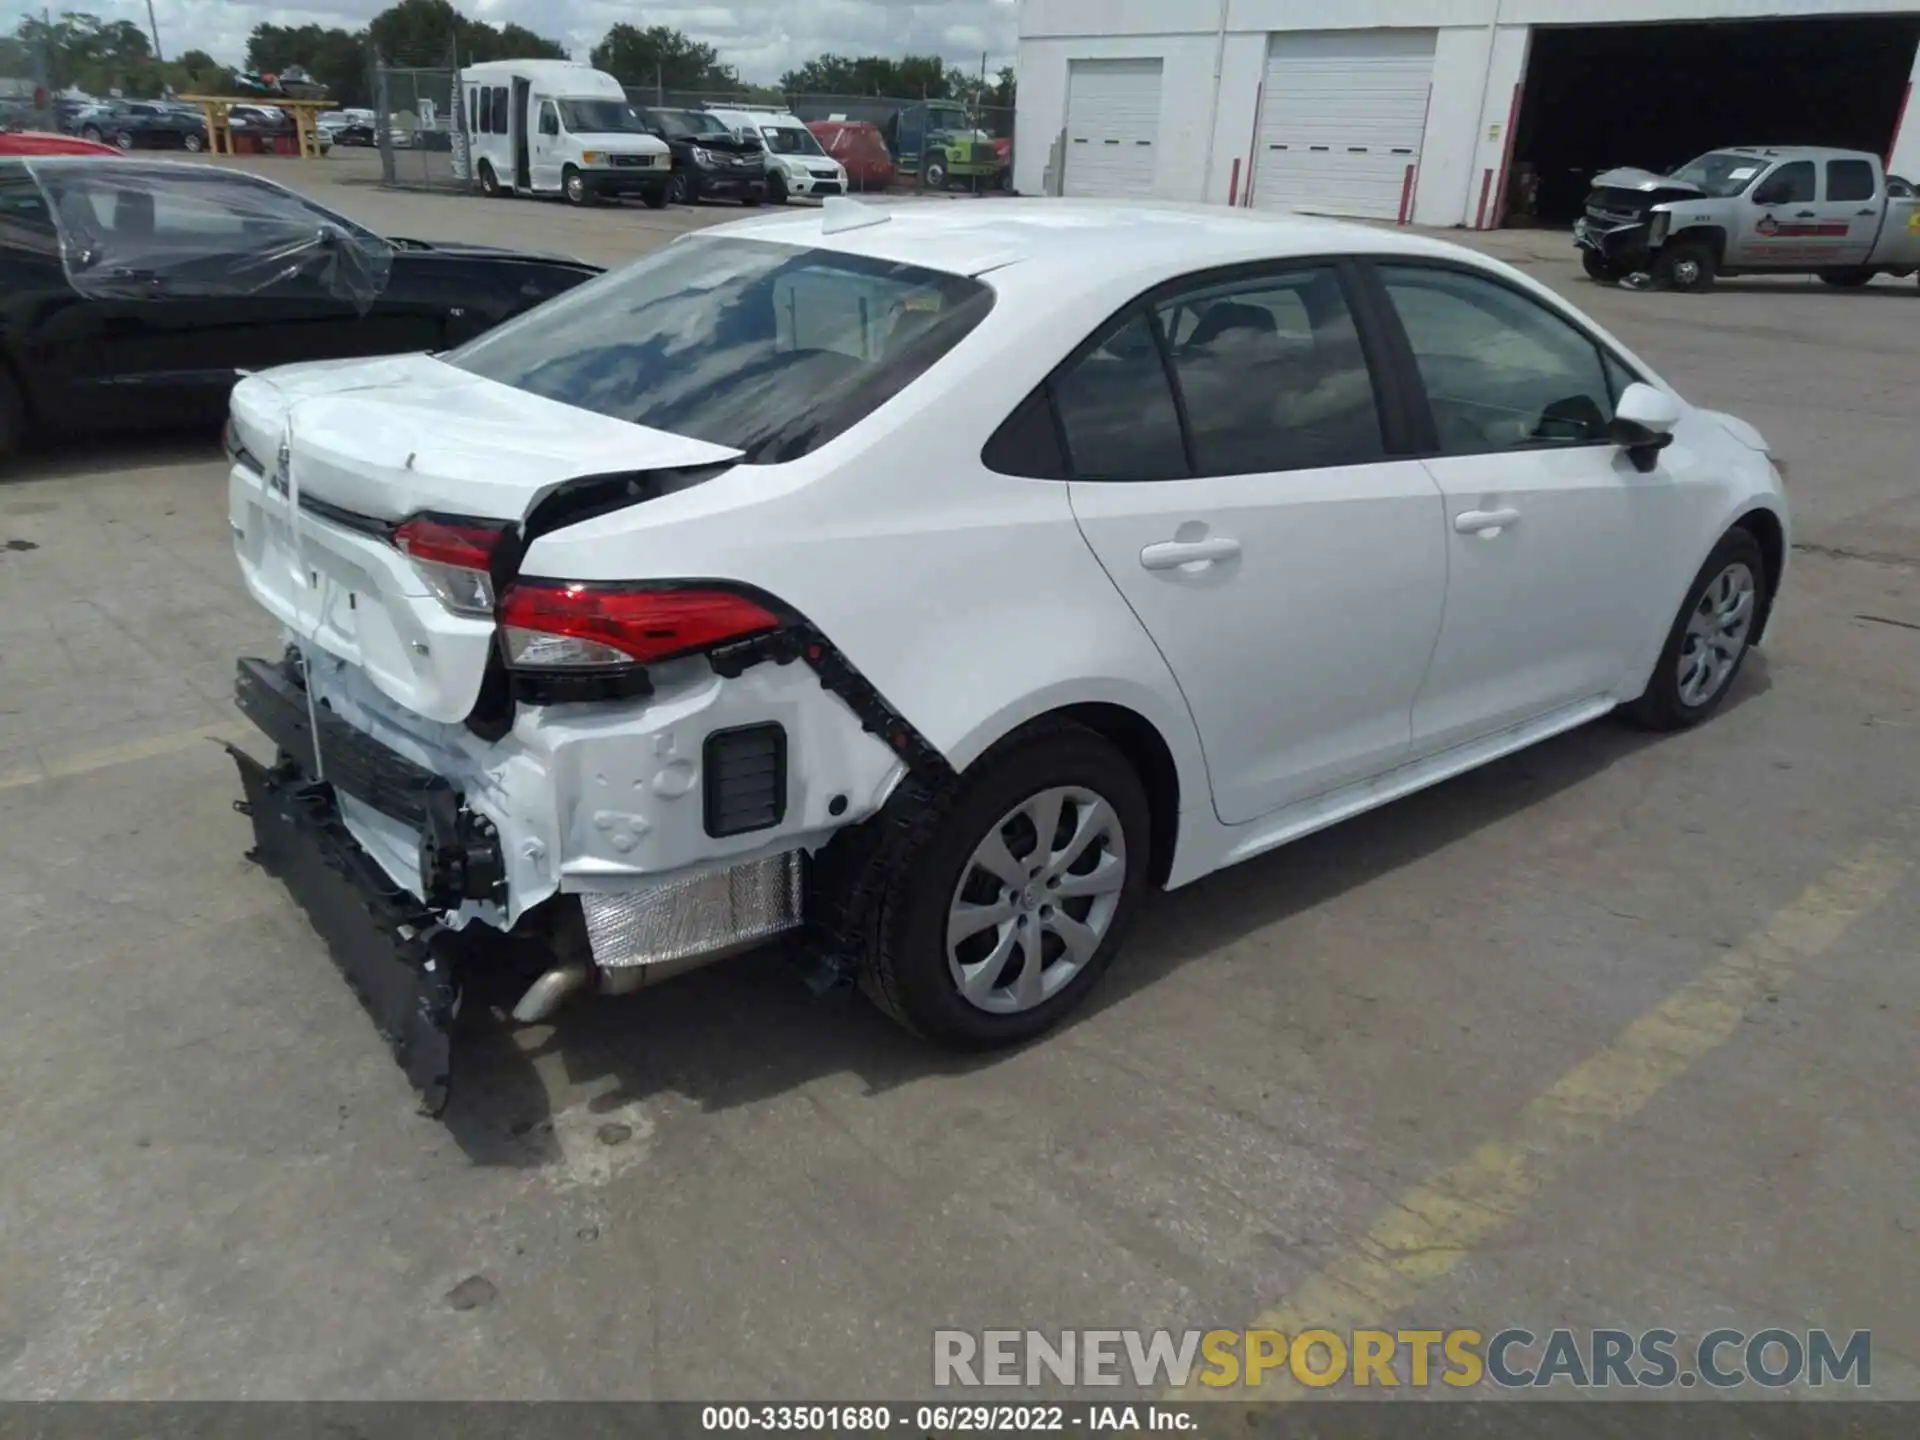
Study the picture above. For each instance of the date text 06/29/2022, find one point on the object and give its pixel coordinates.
(948, 1419)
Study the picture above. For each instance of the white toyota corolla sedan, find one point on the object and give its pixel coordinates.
(940, 580)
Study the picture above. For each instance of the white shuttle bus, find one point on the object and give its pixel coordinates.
(556, 127)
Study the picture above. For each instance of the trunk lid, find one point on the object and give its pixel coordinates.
(366, 444)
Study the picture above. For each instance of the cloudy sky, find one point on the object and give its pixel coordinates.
(762, 37)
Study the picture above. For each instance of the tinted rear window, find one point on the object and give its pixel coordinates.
(768, 349)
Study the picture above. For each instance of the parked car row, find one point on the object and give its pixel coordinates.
(143, 125)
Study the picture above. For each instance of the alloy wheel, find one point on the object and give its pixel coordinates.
(1717, 633)
(1036, 899)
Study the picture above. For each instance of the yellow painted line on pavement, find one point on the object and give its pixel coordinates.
(1425, 1236)
(88, 761)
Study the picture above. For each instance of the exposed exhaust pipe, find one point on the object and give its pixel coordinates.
(543, 997)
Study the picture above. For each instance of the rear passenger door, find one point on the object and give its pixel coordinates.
(1234, 469)
(1851, 196)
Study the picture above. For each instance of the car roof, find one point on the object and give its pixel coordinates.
(1799, 152)
(1081, 240)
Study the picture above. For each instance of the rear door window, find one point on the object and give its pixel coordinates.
(1850, 180)
(769, 349)
(1272, 375)
(1117, 409)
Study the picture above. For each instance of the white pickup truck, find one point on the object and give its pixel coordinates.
(1752, 210)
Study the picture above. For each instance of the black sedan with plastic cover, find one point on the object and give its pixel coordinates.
(133, 295)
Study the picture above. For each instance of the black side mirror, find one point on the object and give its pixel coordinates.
(1643, 445)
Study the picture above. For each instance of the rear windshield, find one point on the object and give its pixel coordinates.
(767, 349)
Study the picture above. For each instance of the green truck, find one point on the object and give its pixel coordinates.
(936, 142)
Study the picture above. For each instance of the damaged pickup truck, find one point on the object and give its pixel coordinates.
(1752, 211)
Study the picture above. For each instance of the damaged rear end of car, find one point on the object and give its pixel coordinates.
(600, 781)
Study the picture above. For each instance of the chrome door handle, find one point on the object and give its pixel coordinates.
(1176, 554)
(1485, 522)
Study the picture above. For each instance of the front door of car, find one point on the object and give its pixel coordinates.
(1558, 546)
(545, 160)
(1231, 470)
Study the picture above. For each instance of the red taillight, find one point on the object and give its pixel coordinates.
(447, 542)
(454, 557)
(554, 625)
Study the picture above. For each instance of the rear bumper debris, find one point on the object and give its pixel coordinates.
(380, 936)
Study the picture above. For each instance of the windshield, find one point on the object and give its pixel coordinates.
(692, 124)
(1720, 174)
(791, 140)
(769, 349)
(698, 122)
(601, 117)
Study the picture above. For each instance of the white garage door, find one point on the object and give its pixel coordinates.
(1113, 127)
(1341, 120)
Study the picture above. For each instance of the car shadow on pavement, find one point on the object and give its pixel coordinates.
(748, 1030)
(75, 458)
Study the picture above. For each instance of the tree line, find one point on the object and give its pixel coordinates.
(100, 56)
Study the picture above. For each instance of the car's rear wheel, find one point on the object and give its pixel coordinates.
(1709, 640)
(489, 182)
(1847, 279)
(1010, 902)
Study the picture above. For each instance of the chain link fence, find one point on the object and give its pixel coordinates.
(419, 125)
(885, 144)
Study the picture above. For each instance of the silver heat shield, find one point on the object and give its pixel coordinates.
(709, 915)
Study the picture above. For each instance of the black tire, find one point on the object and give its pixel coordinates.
(750, 199)
(123, 140)
(777, 189)
(1598, 269)
(656, 198)
(90, 132)
(490, 182)
(906, 970)
(573, 187)
(679, 191)
(13, 419)
(1662, 706)
(935, 175)
(1846, 279)
(1689, 267)
(192, 144)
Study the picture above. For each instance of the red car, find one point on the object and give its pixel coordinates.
(40, 142)
(858, 146)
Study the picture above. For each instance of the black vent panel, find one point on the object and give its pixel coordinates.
(746, 779)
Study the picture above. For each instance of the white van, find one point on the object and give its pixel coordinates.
(554, 127)
(796, 165)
